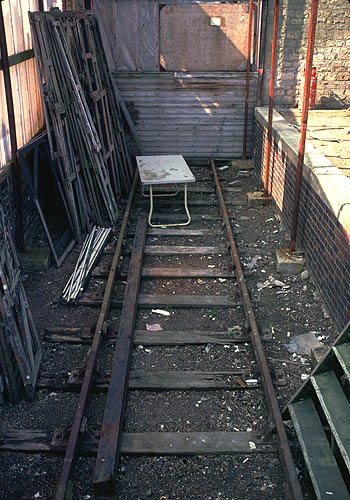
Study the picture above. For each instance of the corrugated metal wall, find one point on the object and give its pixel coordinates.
(198, 116)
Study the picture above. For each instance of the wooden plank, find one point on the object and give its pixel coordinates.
(187, 380)
(164, 272)
(177, 203)
(179, 217)
(146, 443)
(189, 443)
(159, 250)
(169, 337)
(109, 444)
(170, 272)
(20, 57)
(336, 408)
(143, 337)
(190, 189)
(322, 466)
(342, 352)
(172, 301)
(152, 381)
(180, 203)
(180, 232)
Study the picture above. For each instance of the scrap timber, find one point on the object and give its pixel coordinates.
(20, 348)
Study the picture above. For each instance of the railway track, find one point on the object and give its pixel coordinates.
(186, 274)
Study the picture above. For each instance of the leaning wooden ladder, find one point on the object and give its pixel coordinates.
(320, 412)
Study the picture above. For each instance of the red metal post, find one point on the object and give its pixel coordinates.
(303, 128)
(258, 34)
(16, 175)
(271, 98)
(247, 84)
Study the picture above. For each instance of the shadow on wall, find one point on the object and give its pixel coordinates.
(332, 101)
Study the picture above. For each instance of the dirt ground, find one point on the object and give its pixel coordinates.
(283, 310)
(329, 132)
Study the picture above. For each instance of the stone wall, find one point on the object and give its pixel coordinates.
(331, 56)
(324, 216)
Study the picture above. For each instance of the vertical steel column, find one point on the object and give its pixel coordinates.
(303, 128)
(271, 98)
(16, 175)
(41, 5)
(261, 66)
(247, 84)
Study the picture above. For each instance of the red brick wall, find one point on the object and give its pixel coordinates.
(325, 242)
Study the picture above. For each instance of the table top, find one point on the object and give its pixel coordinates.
(165, 169)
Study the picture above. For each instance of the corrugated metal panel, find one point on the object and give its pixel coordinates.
(198, 115)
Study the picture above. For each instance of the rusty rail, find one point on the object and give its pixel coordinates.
(271, 98)
(64, 488)
(303, 128)
(247, 84)
(266, 380)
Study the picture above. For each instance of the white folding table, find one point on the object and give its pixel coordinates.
(160, 170)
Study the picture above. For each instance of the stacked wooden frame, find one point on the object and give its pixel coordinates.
(20, 350)
(82, 115)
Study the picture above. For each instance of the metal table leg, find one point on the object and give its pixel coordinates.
(159, 195)
(168, 225)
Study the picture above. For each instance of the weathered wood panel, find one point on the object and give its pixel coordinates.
(25, 86)
(199, 115)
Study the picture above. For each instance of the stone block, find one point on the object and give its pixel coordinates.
(35, 259)
(257, 199)
(287, 263)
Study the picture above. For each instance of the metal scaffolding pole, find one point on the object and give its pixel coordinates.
(16, 175)
(271, 98)
(303, 128)
(247, 85)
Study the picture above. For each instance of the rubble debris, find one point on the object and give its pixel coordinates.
(302, 344)
(154, 328)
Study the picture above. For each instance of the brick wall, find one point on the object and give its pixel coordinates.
(324, 217)
(331, 55)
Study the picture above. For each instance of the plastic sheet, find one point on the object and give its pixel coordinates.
(137, 35)
(104, 10)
